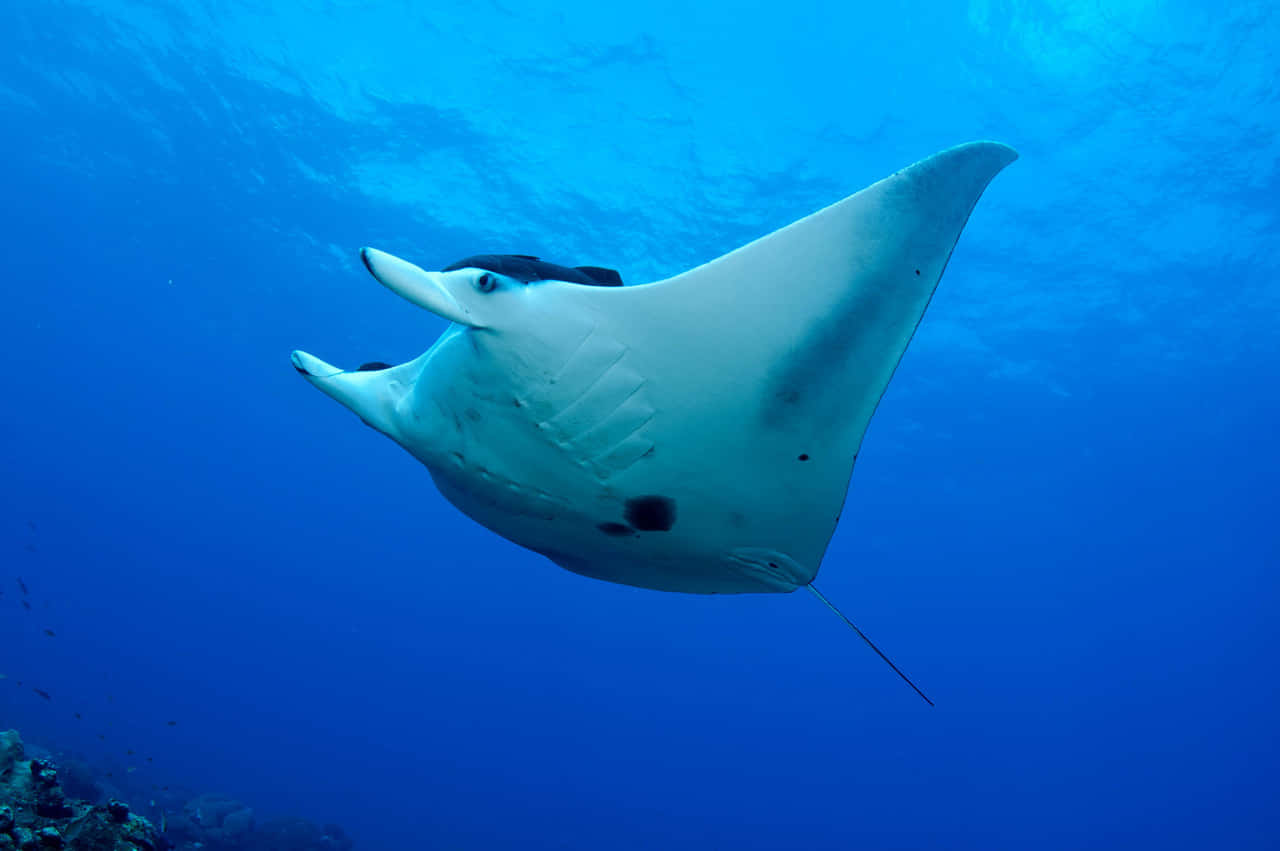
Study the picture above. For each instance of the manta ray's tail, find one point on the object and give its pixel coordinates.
(870, 643)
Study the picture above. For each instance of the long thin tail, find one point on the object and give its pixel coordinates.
(870, 643)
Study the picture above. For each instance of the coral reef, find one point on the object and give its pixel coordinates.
(77, 781)
(40, 812)
(212, 822)
(36, 815)
(215, 823)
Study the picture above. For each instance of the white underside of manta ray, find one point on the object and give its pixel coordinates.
(693, 434)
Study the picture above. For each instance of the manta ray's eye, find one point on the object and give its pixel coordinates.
(487, 283)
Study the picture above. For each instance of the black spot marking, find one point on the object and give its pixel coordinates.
(615, 530)
(804, 456)
(917, 271)
(651, 513)
(373, 366)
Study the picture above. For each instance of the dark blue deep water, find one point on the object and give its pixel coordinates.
(1063, 523)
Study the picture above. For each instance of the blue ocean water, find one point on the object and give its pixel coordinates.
(1062, 525)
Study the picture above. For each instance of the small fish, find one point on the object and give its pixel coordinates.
(23, 586)
(42, 693)
(26, 605)
(50, 633)
(77, 714)
(148, 759)
(102, 737)
(129, 752)
(173, 723)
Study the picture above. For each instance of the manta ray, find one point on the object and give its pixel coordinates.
(692, 434)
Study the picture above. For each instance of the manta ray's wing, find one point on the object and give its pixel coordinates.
(763, 367)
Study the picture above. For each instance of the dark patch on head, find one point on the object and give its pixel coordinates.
(615, 530)
(373, 366)
(527, 268)
(804, 456)
(601, 276)
(651, 513)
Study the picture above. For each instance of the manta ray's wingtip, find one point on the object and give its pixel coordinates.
(1009, 152)
(942, 189)
(999, 152)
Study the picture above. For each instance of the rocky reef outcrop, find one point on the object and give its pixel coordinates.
(40, 812)
(36, 815)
